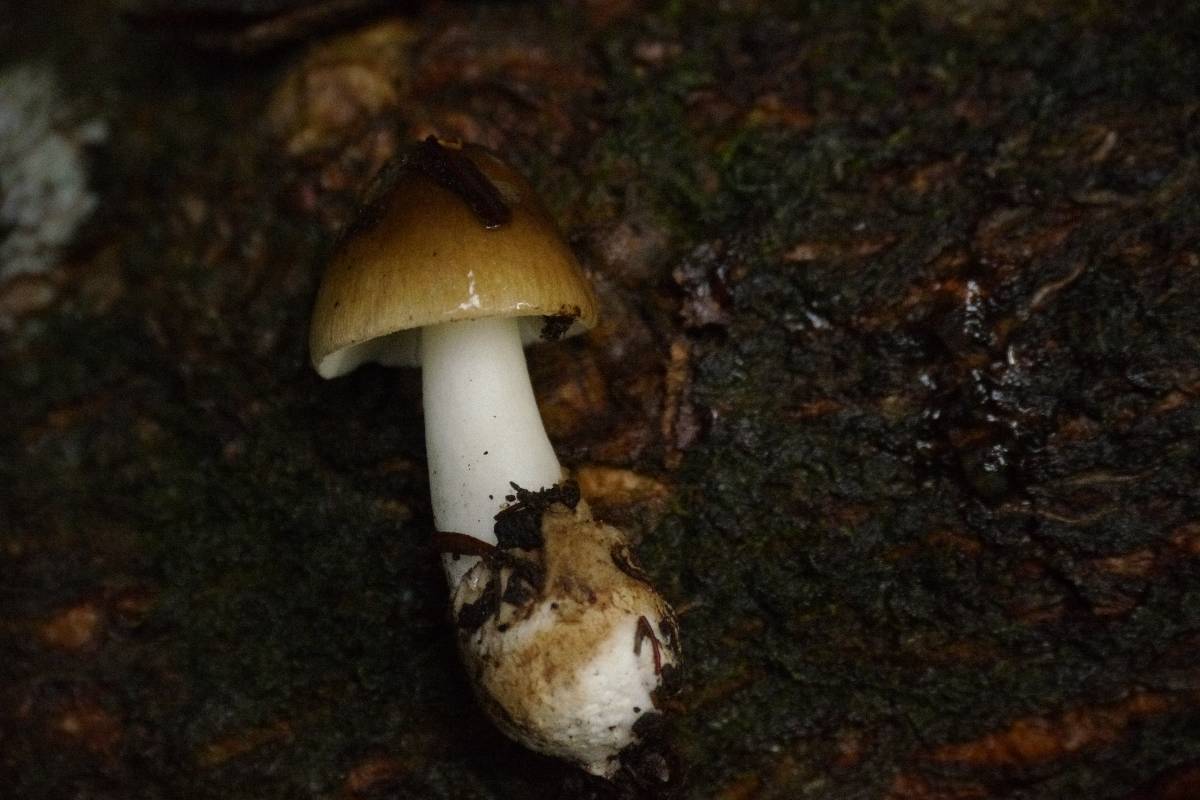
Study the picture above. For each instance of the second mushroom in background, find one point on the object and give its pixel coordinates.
(454, 267)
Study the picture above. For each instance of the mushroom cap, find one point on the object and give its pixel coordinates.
(426, 257)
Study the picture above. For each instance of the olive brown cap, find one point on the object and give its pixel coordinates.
(427, 256)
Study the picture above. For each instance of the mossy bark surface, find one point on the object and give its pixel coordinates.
(897, 388)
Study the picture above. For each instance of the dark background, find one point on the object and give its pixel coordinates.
(896, 389)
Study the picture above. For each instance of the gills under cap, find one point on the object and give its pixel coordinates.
(456, 235)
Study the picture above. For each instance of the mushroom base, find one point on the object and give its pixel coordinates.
(572, 666)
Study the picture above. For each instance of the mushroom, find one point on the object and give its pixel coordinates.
(454, 267)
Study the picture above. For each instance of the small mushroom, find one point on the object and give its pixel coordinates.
(455, 267)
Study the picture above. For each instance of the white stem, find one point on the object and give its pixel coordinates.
(482, 427)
